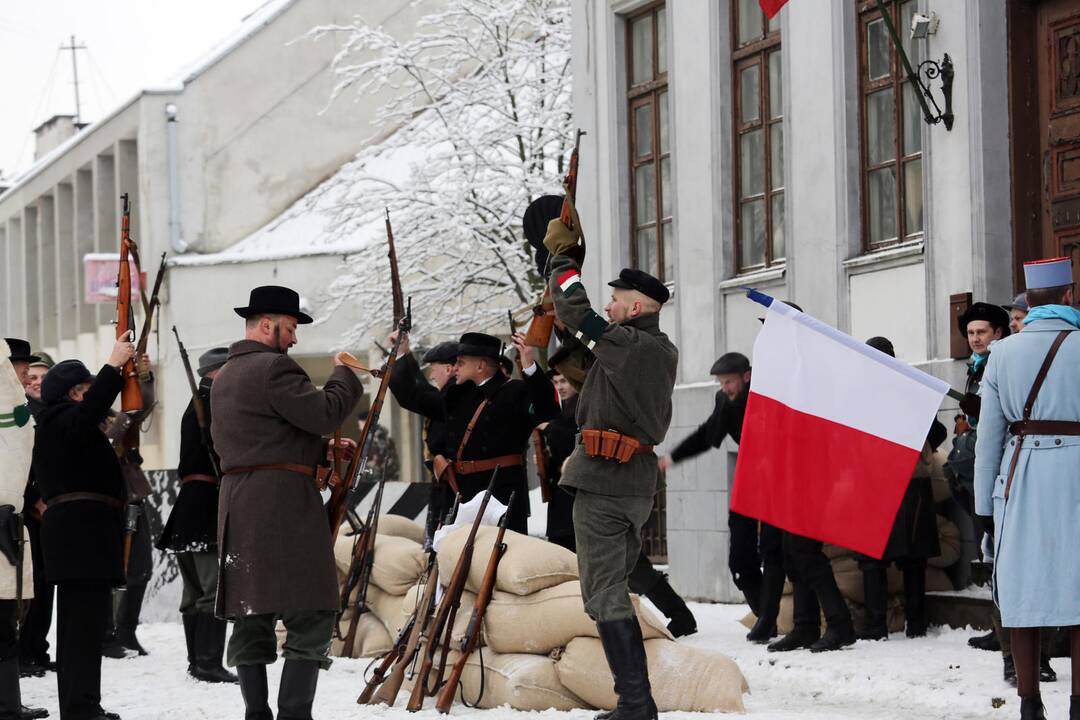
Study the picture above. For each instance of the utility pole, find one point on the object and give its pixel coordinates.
(75, 73)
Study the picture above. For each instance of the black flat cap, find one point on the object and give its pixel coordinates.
(61, 378)
(643, 282)
(731, 362)
(20, 351)
(274, 300)
(480, 345)
(211, 360)
(882, 344)
(993, 314)
(444, 352)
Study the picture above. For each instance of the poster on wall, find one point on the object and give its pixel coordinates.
(100, 269)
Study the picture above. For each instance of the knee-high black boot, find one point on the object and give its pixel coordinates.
(191, 622)
(772, 591)
(254, 691)
(296, 693)
(209, 648)
(625, 653)
(667, 601)
(127, 617)
(876, 596)
(915, 599)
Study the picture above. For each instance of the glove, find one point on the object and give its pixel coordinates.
(561, 240)
(971, 404)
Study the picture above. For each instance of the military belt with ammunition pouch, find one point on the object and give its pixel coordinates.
(612, 445)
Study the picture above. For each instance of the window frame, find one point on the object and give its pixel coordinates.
(743, 56)
(642, 94)
(867, 12)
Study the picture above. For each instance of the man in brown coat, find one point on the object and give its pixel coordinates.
(274, 545)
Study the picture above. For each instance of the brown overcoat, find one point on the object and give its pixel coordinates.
(273, 537)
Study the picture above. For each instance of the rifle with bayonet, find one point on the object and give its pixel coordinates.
(341, 493)
(151, 307)
(443, 623)
(471, 639)
(359, 576)
(537, 436)
(383, 687)
(197, 404)
(543, 322)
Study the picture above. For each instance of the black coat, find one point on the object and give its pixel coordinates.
(192, 525)
(726, 419)
(413, 392)
(83, 539)
(560, 436)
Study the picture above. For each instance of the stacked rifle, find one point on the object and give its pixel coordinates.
(424, 643)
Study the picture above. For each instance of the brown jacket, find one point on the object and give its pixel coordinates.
(273, 537)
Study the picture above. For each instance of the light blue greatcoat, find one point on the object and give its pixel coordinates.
(1037, 531)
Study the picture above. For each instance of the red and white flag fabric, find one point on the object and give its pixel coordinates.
(832, 432)
(771, 7)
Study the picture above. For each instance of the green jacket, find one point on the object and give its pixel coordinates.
(628, 388)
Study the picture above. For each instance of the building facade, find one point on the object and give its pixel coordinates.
(726, 150)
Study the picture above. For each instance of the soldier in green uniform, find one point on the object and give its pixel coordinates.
(624, 409)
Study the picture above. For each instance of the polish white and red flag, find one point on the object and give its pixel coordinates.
(832, 432)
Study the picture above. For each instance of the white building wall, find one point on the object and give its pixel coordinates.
(901, 293)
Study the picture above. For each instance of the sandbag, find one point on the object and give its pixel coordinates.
(529, 565)
(549, 619)
(398, 562)
(387, 608)
(372, 639)
(461, 620)
(524, 682)
(683, 678)
(950, 542)
(399, 526)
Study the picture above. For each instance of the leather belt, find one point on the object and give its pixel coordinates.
(109, 500)
(198, 477)
(1045, 427)
(468, 467)
(308, 470)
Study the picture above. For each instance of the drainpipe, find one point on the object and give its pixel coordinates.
(176, 238)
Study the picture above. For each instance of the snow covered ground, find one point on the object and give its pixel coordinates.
(935, 677)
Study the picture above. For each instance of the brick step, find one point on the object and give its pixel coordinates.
(971, 607)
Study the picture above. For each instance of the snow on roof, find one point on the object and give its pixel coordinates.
(310, 226)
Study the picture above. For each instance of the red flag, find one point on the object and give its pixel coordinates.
(771, 7)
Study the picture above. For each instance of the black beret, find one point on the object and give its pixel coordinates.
(444, 352)
(61, 378)
(212, 359)
(643, 282)
(20, 351)
(993, 314)
(480, 345)
(731, 362)
(882, 344)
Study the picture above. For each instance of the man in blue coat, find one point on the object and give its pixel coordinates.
(1027, 474)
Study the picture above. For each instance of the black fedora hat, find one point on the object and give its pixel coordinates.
(274, 300)
(476, 344)
(20, 351)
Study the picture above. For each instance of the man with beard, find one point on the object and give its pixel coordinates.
(79, 477)
(427, 397)
(191, 531)
(762, 591)
(270, 425)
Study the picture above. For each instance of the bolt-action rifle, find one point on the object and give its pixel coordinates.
(359, 576)
(543, 322)
(443, 623)
(197, 404)
(471, 640)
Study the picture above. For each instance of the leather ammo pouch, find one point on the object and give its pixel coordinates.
(443, 470)
(612, 445)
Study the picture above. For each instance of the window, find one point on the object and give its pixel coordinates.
(759, 137)
(891, 120)
(650, 151)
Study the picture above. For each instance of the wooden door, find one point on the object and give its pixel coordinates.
(1058, 72)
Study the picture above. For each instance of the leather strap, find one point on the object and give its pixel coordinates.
(114, 503)
(1026, 423)
(308, 470)
(1045, 427)
(468, 467)
(469, 428)
(198, 477)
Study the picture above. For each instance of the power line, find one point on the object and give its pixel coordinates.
(46, 91)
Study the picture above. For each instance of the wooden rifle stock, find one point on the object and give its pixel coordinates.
(448, 607)
(131, 395)
(387, 692)
(472, 631)
(378, 675)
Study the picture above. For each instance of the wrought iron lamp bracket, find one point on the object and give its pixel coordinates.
(931, 70)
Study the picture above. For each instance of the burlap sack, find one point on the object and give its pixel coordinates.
(530, 564)
(398, 562)
(461, 620)
(398, 526)
(524, 682)
(387, 608)
(549, 619)
(372, 639)
(683, 678)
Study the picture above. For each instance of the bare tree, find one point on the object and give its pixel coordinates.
(478, 127)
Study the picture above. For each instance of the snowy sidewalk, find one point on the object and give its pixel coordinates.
(934, 677)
